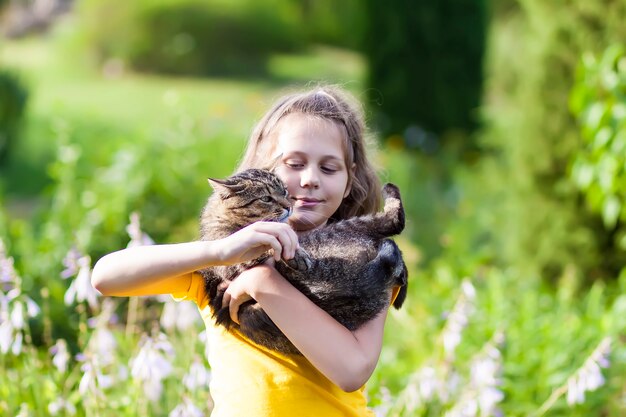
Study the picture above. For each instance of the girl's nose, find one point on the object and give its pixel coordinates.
(309, 179)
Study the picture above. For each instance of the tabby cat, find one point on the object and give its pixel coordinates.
(347, 268)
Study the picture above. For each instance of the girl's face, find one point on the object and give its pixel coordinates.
(312, 165)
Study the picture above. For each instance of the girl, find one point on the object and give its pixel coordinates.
(318, 139)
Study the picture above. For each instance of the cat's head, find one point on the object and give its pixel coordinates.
(253, 195)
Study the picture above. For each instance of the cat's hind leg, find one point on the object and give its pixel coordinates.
(388, 264)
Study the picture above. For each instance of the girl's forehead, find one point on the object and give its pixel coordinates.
(299, 130)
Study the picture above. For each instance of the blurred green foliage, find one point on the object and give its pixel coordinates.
(13, 98)
(547, 336)
(425, 65)
(334, 23)
(598, 100)
(190, 36)
(146, 144)
(194, 37)
(538, 220)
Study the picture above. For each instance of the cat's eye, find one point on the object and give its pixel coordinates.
(266, 199)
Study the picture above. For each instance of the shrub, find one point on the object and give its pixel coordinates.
(538, 218)
(425, 63)
(13, 97)
(599, 104)
(191, 37)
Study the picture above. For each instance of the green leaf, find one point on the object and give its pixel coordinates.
(619, 111)
(594, 115)
(610, 211)
(603, 137)
(583, 174)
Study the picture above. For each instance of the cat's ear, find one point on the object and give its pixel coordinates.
(273, 163)
(225, 188)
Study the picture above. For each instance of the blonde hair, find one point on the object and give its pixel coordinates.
(334, 104)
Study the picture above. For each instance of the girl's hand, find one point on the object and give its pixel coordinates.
(242, 289)
(254, 240)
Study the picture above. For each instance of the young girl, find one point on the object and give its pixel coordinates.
(318, 139)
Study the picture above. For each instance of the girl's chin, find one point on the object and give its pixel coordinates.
(305, 223)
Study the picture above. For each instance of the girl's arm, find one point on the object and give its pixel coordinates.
(142, 270)
(346, 358)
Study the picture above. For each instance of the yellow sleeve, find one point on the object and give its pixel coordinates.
(195, 291)
(394, 294)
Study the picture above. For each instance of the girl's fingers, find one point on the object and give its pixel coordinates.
(233, 306)
(233, 309)
(226, 300)
(285, 235)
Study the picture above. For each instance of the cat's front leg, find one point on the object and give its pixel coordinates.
(301, 261)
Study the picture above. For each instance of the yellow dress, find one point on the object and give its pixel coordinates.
(249, 380)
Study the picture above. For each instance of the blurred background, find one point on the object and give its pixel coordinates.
(502, 121)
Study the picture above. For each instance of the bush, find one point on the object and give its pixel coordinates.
(425, 63)
(191, 37)
(13, 97)
(538, 218)
(334, 23)
(599, 103)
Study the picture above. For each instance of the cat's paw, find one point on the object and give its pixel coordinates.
(300, 262)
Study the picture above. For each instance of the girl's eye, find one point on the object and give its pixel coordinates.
(266, 199)
(329, 169)
(294, 165)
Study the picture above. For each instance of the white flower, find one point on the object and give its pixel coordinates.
(204, 338)
(88, 384)
(71, 263)
(589, 376)
(60, 405)
(6, 336)
(60, 355)
(13, 321)
(198, 375)
(81, 289)
(180, 315)
(16, 349)
(386, 402)
(137, 237)
(32, 309)
(24, 411)
(482, 394)
(102, 343)
(186, 409)
(458, 318)
(422, 387)
(93, 380)
(8, 275)
(150, 366)
(17, 315)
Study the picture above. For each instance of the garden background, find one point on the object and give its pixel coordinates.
(502, 121)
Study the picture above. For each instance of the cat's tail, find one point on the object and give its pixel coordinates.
(389, 263)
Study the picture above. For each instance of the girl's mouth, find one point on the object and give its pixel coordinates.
(306, 202)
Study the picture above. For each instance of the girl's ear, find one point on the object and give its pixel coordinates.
(350, 177)
(225, 188)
